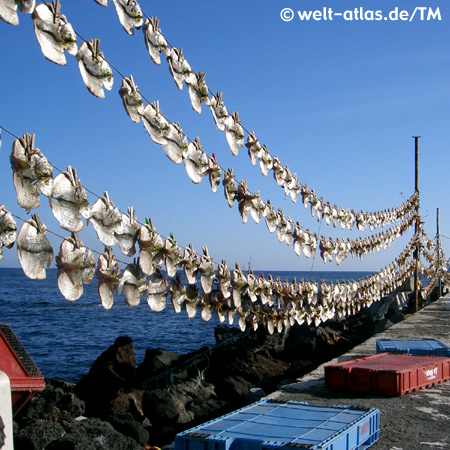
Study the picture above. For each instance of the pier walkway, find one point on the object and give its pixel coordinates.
(419, 420)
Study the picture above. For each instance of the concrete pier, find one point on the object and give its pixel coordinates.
(420, 420)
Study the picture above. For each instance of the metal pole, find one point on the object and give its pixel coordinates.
(438, 249)
(417, 226)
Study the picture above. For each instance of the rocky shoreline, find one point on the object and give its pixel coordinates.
(119, 405)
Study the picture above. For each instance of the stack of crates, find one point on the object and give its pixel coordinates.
(274, 425)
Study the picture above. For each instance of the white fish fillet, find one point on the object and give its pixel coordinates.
(127, 232)
(132, 284)
(219, 111)
(176, 143)
(179, 67)
(234, 133)
(34, 250)
(206, 271)
(196, 161)
(154, 40)
(54, 33)
(157, 290)
(108, 276)
(8, 229)
(130, 14)
(69, 200)
(8, 10)
(155, 123)
(198, 91)
(94, 69)
(131, 99)
(150, 244)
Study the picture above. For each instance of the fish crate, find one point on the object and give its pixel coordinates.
(270, 424)
(387, 374)
(417, 347)
(24, 376)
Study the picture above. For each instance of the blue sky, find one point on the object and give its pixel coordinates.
(338, 102)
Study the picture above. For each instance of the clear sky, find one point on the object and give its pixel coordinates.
(339, 102)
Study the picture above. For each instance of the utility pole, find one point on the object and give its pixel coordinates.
(417, 225)
(438, 249)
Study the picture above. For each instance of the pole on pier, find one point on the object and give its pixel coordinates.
(417, 226)
(438, 249)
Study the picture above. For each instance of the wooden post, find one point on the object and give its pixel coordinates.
(438, 249)
(417, 226)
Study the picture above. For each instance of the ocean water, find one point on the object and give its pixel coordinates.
(64, 338)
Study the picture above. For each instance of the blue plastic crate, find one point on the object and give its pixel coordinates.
(270, 425)
(417, 347)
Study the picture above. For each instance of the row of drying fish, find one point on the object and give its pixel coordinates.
(230, 124)
(33, 176)
(253, 300)
(56, 36)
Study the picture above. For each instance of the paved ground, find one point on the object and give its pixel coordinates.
(419, 420)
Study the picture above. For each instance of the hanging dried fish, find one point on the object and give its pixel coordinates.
(179, 67)
(130, 14)
(169, 255)
(214, 173)
(191, 301)
(254, 148)
(33, 248)
(176, 143)
(272, 220)
(196, 161)
(239, 283)
(155, 123)
(105, 218)
(246, 202)
(154, 40)
(54, 33)
(108, 276)
(8, 10)
(206, 313)
(252, 287)
(127, 232)
(177, 293)
(69, 200)
(198, 90)
(150, 243)
(230, 187)
(95, 70)
(279, 172)
(219, 111)
(76, 266)
(32, 173)
(206, 270)
(266, 161)
(224, 276)
(234, 133)
(190, 264)
(8, 230)
(132, 284)
(131, 99)
(157, 289)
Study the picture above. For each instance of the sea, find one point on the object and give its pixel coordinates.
(65, 338)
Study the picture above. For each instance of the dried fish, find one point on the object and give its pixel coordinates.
(154, 40)
(191, 301)
(76, 266)
(196, 161)
(8, 10)
(176, 143)
(150, 243)
(179, 67)
(105, 218)
(254, 148)
(178, 294)
(214, 173)
(95, 70)
(32, 173)
(54, 33)
(190, 264)
(234, 133)
(169, 255)
(69, 200)
(239, 283)
(108, 276)
(130, 14)
(246, 202)
(132, 284)
(206, 270)
(224, 276)
(198, 90)
(155, 123)
(219, 111)
(127, 233)
(131, 99)
(33, 248)
(157, 289)
(266, 161)
(230, 187)
(8, 230)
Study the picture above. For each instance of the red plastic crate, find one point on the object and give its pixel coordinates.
(24, 376)
(387, 374)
